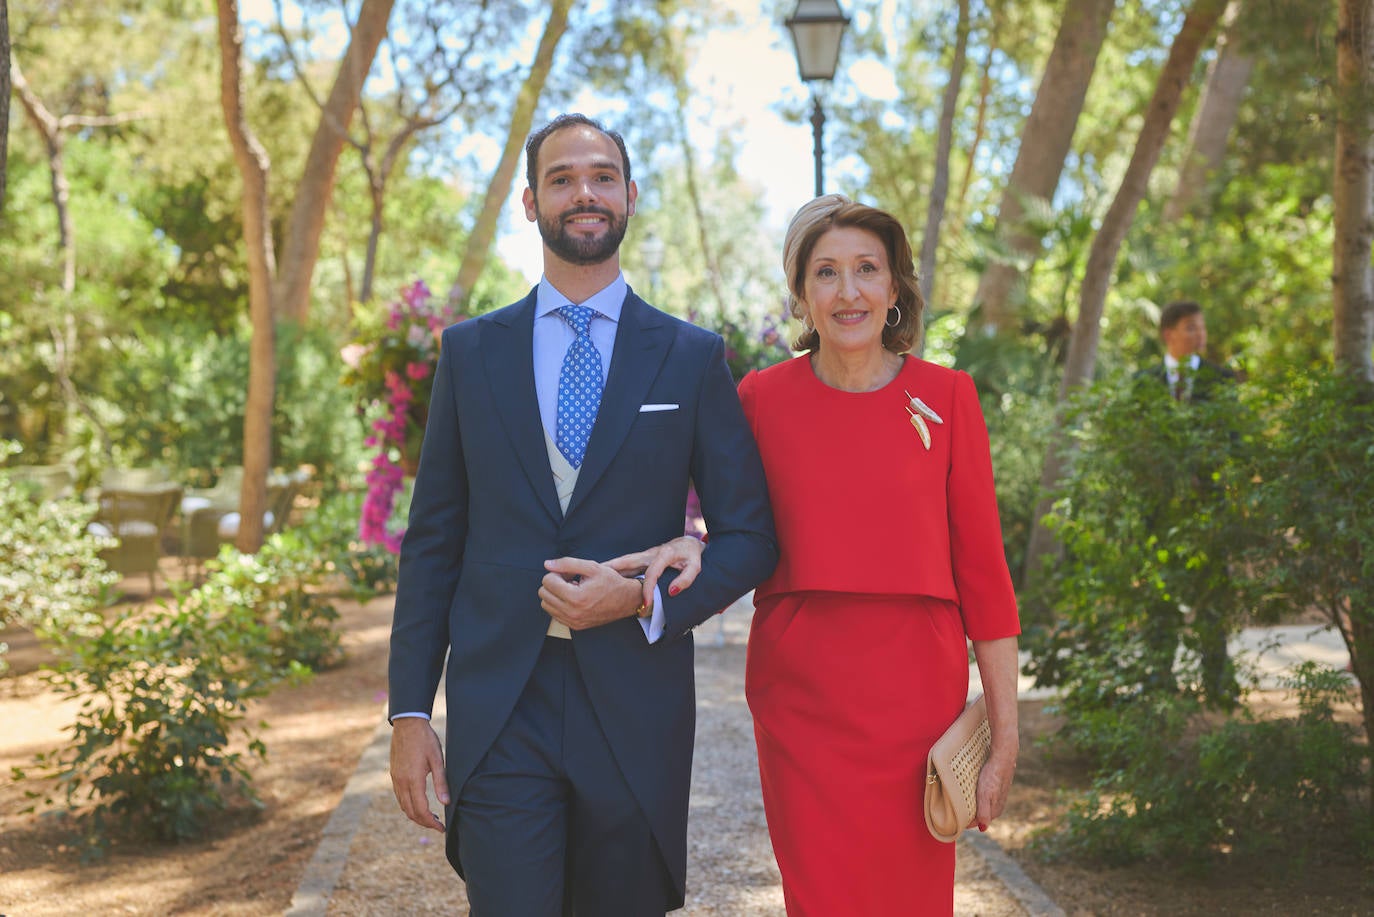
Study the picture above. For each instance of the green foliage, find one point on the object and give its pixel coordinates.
(51, 577)
(1150, 513)
(1166, 791)
(282, 584)
(161, 695)
(1017, 389)
(1176, 518)
(179, 400)
(1315, 493)
(331, 531)
(164, 690)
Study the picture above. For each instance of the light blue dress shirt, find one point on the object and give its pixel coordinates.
(552, 338)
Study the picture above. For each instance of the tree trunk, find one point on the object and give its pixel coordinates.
(49, 127)
(479, 242)
(301, 245)
(255, 168)
(939, 184)
(4, 101)
(1216, 115)
(980, 122)
(377, 190)
(1082, 354)
(377, 177)
(682, 94)
(1353, 286)
(1044, 146)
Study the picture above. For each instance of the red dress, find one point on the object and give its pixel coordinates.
(890, 556)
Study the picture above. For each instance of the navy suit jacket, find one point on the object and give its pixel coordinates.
(485, 517)
(1206, 378)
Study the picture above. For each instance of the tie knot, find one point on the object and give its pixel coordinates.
(579, 318)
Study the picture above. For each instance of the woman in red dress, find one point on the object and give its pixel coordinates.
(891, 560)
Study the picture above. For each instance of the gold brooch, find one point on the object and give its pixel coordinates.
(920, 412)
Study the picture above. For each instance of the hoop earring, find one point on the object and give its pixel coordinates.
(890, 323)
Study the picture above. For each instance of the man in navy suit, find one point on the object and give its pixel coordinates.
(1189, 376)
(1191, 379)
(563, 432)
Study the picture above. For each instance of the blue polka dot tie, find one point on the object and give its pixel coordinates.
(579, 386)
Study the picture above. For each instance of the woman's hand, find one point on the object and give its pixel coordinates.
(997, 666)
(682, 553)
(994, 783)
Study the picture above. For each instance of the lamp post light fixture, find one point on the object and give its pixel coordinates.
(817, 28)
(651, 252)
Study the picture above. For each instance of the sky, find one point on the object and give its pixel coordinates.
(740, 77)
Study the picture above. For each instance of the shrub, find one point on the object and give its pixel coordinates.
(1170, 788)
(1152, 515)
(367, 569)
(1314, 493)
(161, 693)
(52, 579)
(281, 585)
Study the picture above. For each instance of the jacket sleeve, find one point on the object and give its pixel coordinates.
(728, 475)
(431, 552)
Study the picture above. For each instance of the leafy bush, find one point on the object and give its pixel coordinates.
(51, 577)
(281, 584)
(1152, 516)
(189, 390)
(1250, 506)
(331, 530)
(1314, 492)
(1172, 789)
(161, 693)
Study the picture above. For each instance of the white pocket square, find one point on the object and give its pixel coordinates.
(650, 408)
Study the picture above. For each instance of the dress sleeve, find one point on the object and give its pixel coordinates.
(987, 600)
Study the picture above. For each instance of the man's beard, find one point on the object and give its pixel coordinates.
(578, 249)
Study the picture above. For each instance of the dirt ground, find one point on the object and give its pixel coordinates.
(253, 860)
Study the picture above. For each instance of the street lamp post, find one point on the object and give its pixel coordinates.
(651, 252)
(817, 27)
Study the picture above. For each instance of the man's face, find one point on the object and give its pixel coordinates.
(582, 204)
(1188, 336)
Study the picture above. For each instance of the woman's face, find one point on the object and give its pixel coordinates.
(848, 289)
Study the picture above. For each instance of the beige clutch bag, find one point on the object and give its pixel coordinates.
(952, 770)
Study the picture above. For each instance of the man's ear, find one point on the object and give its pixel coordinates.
(528, 200)
(631, 195)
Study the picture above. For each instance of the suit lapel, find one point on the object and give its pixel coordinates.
(508, 356)
(641, 343)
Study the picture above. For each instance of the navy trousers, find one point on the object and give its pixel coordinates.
(547, 825)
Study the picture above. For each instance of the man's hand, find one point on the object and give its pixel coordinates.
(682, 553)
(583, 593)
(416, 756)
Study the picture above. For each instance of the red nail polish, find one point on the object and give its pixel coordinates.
(673, 590)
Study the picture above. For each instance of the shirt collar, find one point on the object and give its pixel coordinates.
(607, 301)
(1171, 364)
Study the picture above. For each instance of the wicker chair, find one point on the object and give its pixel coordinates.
(138, 518)
(207, 527)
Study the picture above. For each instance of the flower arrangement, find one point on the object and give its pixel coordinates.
(751, 341)
(390, 363)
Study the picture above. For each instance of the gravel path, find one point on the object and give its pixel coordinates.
(373, 861)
